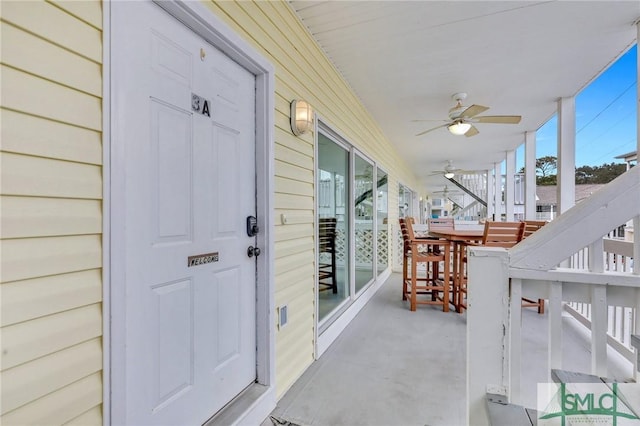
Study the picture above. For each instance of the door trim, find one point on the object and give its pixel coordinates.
(249, 406)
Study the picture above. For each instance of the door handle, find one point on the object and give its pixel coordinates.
(253, 251)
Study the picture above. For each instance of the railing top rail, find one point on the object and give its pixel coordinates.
(611, 278)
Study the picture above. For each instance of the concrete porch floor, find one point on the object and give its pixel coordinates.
(392, 366)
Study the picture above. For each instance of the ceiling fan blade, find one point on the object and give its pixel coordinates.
(430, 130)
(472, 131)
(500, 119)
(473, 110)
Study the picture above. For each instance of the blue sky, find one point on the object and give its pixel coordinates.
(606, 112)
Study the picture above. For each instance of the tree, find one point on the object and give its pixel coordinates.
(599, 174)
(546, 172)
(546, 166)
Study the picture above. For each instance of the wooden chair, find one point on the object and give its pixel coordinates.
(422, 251)
(406, 253)
(531, 226)
(496, 234)
(327, 244)
(439, 224)
(502, 234)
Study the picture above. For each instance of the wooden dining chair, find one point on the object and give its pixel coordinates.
(502, 234)
(421, 252)
(531, 226)
(496, 234)
(406, 253)
(327, 246)
(441, 224)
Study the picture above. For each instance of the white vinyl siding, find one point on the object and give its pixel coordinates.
(303, 72)
(51, 213)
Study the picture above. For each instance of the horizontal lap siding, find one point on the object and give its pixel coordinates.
(303, 72)
(51, 213)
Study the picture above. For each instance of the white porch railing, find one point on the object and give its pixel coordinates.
(618, 257)
(499, 278)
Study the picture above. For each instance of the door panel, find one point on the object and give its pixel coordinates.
(171, 149)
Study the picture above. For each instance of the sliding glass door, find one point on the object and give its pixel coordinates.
(333, 226)
(352, 228)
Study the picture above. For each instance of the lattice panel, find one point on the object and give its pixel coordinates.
(399, 245)
(341, 247)
(363, 239)
(383, 247)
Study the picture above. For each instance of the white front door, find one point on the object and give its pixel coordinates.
(185, 117)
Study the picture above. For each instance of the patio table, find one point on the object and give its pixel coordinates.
(458, 238)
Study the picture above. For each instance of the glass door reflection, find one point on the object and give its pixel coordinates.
(333, 226)
(382, 214)
(363, 209)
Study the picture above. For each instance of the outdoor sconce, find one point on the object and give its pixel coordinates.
(301, 117)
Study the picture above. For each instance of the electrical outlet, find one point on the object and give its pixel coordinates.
(282, 316)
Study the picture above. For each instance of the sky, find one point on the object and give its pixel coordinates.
(606, 118)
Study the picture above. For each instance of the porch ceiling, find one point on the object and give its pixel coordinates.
(405, 59)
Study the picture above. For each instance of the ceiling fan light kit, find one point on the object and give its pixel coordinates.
(459, 128)
(449, 175)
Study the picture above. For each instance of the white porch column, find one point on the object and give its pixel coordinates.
(497, 195)
(530, 175)
(566, 154)
(487, 330)
(636, 220)
(490, 194)
(509, 187)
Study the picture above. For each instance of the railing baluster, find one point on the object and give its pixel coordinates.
(636, 250)
(636, 271)
(619, 320)
(611, 320)
(555, 326)
(599, 312)
(599, 330)
(515, 339)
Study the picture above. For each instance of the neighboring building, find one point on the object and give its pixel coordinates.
(631, 158)
(547, 198)
(114, 208)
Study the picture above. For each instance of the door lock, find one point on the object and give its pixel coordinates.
(253, 251)
(252, 226)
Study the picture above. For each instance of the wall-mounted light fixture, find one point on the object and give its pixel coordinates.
(459, 128)
(301, 117)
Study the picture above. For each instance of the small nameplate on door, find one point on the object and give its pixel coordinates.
(201, 259)
(200, 105)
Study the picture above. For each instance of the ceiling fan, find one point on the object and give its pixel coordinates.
(462, 119)
(449, 171)
(446, 192)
